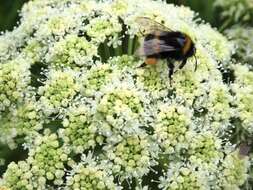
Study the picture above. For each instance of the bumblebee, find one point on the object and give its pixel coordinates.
(162, 43)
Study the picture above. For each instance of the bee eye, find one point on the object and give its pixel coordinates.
(181, 41)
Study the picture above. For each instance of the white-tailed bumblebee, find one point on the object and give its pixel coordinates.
(162, 43)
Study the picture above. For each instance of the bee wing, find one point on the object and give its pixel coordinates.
(150, 26)
(154, 46)
(244, 149)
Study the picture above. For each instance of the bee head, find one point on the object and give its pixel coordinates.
(191, 51)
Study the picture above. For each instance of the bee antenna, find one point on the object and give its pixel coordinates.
(196, 65)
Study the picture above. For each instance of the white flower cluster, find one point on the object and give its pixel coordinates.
(79, 132)
(97, 77)
(120, 111)
(18, 176)
(131, 157)
(241, 37)
(234, 171)
(48, 157)
(244, 96)
(71, 51)
(181, 177)
(171, 128)
(71, 87)
(19, 121)
(14, 79)
(90, 177)
(60, 88)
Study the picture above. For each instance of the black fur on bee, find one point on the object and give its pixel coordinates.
(162, 43)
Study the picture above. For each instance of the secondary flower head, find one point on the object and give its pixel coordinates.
(47, 158)
(131, 157)
(171, 126)
(14, 79)
(88, 174)
(243, 96)
(121, 109)
(79, 132)
(60, 88)
(96, 78)
(236, 10)
(234, 171)
(20, 121)
(72, 51)
(181, 177)
(18, 176)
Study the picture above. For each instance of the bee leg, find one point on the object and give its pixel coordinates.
(142, 65)
(196, 65)
(171, 70)
(182, 64)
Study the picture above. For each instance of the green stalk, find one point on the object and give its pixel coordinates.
(35, 76)
(102, 53)
(106, 51)
(136, 43)
(130, 46)
(137, 183)
(118, 50)
(226, 24)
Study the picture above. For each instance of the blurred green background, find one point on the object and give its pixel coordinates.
(9, 11)
(9, 14)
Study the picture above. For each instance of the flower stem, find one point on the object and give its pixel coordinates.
(138, 183)
(107, 51)
(136, 43)
(118, 51)
(226, 24)
(130, 46)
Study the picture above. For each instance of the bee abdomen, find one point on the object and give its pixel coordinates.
(151, 61)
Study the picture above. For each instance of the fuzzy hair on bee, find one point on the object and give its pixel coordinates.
(160, 42)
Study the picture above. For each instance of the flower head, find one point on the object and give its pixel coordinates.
(14, 79)
(79, 132)
(47, 158)
(90, 175)
(59, 90)
(131, 157)
(72, 51)
(171, 126)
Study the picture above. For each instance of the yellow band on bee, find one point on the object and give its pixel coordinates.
(151, 61)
